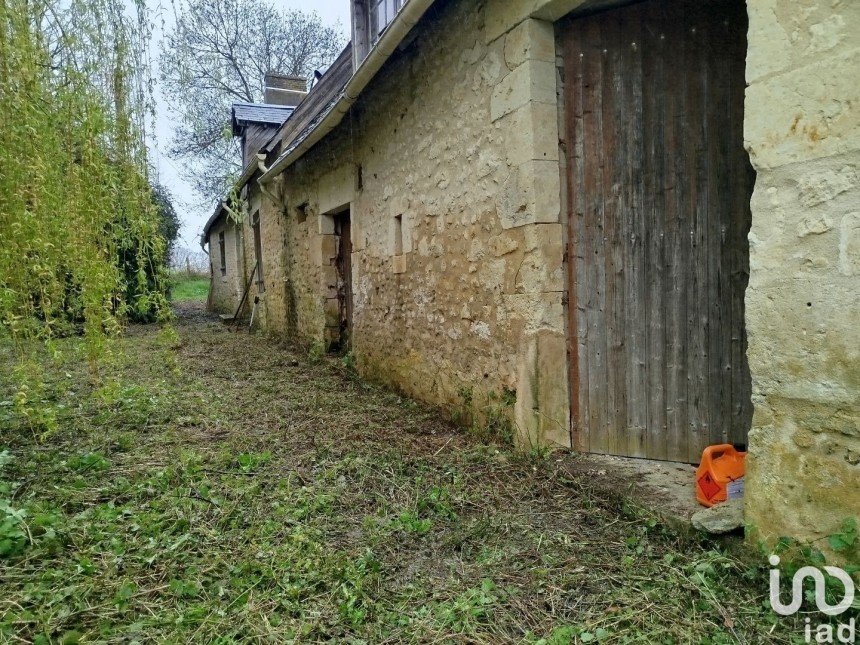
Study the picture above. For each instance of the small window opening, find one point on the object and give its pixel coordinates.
(398, 235)
(258, 250)
(302, 213)
(382, 12)
(223, 253)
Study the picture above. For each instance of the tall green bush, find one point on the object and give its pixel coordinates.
(81, 242)
(81, 247)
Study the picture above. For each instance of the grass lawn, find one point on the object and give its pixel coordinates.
(220, 487)
(186, 288)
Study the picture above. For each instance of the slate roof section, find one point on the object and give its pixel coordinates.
(245, 113)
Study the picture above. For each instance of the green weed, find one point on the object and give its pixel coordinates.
(185, 288)
(316, 352)
(411, 523)
(489, 421)
(257, 495)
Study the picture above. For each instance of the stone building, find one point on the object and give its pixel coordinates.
(633, 228)
(253, 125)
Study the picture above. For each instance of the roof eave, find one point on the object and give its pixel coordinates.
(249, 171)
(387, 44)
(254, 166)
(214, 217)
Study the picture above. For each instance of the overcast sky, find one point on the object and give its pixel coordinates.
(192, 214)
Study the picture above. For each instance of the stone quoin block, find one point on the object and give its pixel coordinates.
(533, 81)
(530, 40)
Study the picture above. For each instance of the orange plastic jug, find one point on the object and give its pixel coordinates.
(720, 476)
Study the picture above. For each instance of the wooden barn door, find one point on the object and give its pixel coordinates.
(659, 190)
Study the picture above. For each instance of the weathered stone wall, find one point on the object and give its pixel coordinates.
(225, 288)
(803, 303)
(268, 296)
(457, 138)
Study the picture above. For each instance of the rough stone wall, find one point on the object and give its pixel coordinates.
(457, 137)
(226, 290)
(224, 287)
(802, 130)
(291, 304)
(268, 313)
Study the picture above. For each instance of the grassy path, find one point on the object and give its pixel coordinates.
(188, 288)
(217, 487)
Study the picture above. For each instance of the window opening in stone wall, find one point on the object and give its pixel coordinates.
(398, 235)
(382, 12)
(223, 253)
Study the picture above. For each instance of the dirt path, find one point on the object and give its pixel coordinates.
(221, 485)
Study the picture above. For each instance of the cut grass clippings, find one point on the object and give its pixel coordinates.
(216, 487)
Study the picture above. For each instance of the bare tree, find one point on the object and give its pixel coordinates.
(218, 53)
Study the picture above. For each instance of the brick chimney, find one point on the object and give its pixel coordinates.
(282, 89)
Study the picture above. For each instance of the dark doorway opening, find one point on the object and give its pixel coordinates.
(343, 262)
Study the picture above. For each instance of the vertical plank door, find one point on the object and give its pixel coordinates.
(659, 189)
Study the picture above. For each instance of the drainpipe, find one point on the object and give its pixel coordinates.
(261, 164)
(393, 35)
